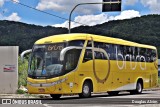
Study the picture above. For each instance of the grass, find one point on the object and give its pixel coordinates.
(159, 80)
(19, 91)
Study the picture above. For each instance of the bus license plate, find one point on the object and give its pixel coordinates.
(41, 90)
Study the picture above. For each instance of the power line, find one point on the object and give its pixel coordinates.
(54, 15)
(39, 10)
(46, 12)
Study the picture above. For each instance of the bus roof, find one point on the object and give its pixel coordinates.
(83, 36)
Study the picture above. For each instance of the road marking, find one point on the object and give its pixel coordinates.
(46, 105)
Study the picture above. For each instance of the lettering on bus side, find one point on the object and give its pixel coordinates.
(132, 58)
(136, 56)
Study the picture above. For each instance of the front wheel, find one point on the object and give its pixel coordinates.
(86, 90)
(55, 96)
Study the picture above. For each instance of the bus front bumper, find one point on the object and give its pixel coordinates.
(42, 89)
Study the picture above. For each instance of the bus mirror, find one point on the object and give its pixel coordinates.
(25, 52)
(63, 52)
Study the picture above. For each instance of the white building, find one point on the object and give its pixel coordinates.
(8, 69)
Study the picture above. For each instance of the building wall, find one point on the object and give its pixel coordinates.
(8, 69)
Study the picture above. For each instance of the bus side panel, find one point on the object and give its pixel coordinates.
(85, 71)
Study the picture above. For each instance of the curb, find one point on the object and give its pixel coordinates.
(152, 89)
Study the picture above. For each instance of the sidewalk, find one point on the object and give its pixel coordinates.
(18, 96)
(152, 89)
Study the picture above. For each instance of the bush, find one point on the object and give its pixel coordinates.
(22, 72)
(19, 91)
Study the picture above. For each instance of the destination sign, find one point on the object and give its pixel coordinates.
(54, 47)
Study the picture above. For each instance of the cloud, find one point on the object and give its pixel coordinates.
(1, 3)
(154, 5)
(13, 17)
(92, 20)
(128, 14)
(67, 6)
(86, 20)
(16, 1)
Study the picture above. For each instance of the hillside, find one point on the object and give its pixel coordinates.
(24, 35)
(145, 29)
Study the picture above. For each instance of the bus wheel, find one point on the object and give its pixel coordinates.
(113, 93)
(138, 89)
(86, 90)
(55, 96)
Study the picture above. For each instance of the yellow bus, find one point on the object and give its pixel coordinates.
(84, 64)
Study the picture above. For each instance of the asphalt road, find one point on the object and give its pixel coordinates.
(124, 99)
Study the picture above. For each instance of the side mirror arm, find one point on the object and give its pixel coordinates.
(25, 52)
(63, 52)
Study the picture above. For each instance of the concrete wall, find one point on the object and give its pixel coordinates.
(8, 69)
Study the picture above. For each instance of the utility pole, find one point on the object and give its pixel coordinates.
(70, 15)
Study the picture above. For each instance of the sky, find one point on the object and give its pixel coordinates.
(84, 14)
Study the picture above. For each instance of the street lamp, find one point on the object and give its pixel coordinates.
(110, 2)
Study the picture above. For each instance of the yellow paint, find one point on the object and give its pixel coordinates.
(117, 78)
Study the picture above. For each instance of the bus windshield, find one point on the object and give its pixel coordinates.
(45, 60)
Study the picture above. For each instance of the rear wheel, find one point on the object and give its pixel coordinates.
(55, 96)
(139, 88)
(86, 90)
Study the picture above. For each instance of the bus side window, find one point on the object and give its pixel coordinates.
(143, 55)
(132, 53)
(153, 55)
(99, 45)
(113, 52)
(89, 44)
(100, 55)
(87, 55)
(120, 52)
(109, 50)
(128, 52)
(135, 53)
(148, 55)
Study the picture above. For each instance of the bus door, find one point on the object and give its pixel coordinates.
(71, 60)
(101, 69)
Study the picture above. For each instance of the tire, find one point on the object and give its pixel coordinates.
(86, 90)
(113, 93)
(55, 96)
(138, 89)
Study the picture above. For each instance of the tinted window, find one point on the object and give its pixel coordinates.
(71, 59)
(153, 55)
(99, 55)
(119, 52)
(76, 43)
(87, 55)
